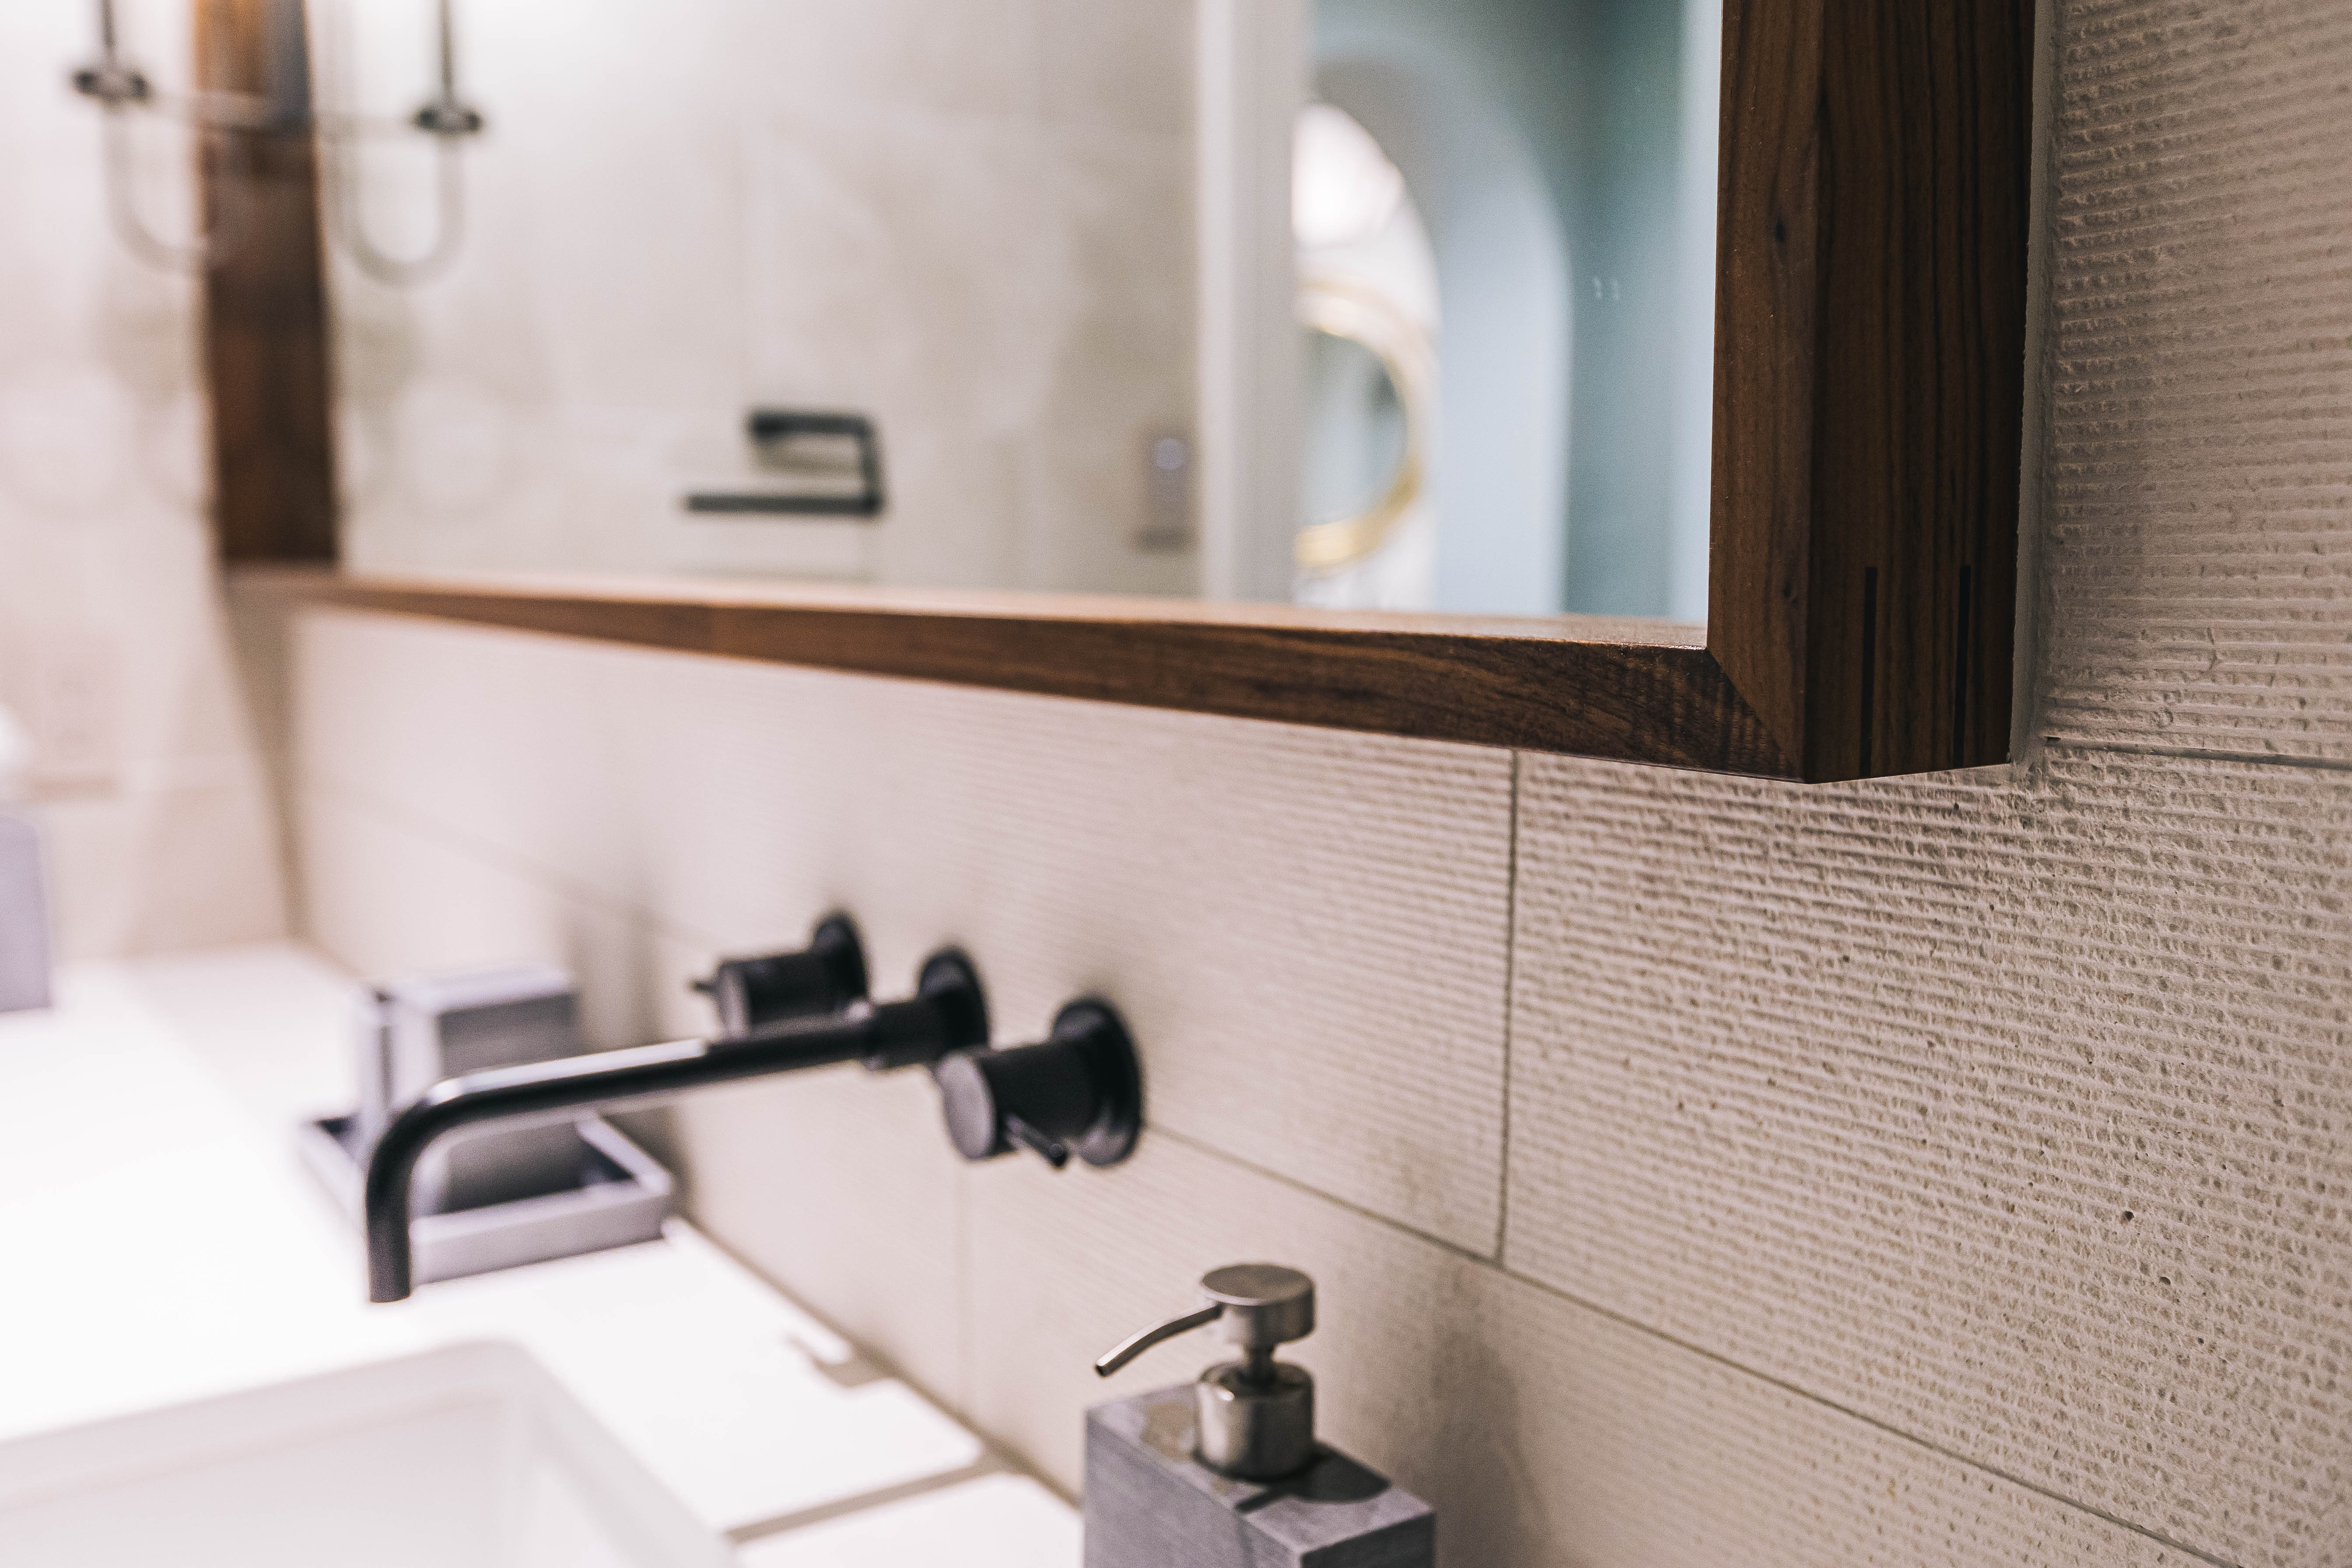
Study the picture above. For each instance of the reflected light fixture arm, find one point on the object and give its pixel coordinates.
(450, 119)
(119, 87)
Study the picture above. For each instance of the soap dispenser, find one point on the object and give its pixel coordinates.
(1224, 1472)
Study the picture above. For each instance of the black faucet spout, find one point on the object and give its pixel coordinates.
(946, 1015)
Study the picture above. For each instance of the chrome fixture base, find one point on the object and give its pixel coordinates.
(619, 1195)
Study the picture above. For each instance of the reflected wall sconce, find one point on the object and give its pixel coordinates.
(285, 107)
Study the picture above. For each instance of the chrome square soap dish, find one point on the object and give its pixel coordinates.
(609, 1193)
(485, 1199)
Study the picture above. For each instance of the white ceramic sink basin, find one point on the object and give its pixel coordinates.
(470, 1457)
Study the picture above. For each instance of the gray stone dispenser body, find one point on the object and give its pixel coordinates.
(1224, 1472)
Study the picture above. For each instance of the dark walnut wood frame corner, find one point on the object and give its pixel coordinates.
(1870, 331)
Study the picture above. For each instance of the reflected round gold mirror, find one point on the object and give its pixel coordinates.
(1364, 440)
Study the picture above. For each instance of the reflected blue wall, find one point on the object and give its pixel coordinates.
(1591, 93)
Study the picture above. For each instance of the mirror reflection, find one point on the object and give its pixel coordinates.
(1019, 255)
(1368, 299)
(1531, 187)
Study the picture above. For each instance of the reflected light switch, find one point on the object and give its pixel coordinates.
(1167, 492)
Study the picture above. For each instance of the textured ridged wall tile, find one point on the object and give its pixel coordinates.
(387, 897)
(2199, 551)
(2010, 1109)
(1542, 1431)
(501, 740)
(1306, 929)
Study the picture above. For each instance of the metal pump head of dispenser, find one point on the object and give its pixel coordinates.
(1256, 1417)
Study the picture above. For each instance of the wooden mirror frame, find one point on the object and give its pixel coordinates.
(1869, 393)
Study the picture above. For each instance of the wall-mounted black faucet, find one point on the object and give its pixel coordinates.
(1079, 1091)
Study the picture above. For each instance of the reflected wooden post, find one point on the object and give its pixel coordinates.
(267, 370)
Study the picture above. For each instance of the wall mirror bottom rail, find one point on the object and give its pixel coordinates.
(1653, 696)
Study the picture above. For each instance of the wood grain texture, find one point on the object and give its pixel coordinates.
(1631, 701)
(266, 325)
(1870, 376)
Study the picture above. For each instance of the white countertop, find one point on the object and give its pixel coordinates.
(162, 1243)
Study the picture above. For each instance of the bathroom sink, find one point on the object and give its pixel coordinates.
(469, 1456)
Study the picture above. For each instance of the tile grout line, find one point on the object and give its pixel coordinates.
(1510, 1012)
(2199, 754)
(1476, 1259)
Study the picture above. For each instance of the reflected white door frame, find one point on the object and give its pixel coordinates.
(1255, 74)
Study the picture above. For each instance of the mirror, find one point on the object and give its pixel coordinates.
(890, 309)
(1021, 253)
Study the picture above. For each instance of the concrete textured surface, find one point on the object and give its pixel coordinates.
(2008, 1110)
(2198, 558)
(1948, 1170)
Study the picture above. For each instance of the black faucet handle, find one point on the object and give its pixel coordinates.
(1079, 1091)
(1052, 1150)
(824, 977)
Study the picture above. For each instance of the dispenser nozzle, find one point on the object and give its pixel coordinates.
(1128, 1348)
(1263, 1304)
(1253, 1419)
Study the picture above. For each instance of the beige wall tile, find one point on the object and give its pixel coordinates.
(387, 895)
(151, 870)
(2004, 1108)
(1305, 929)
(495, 740)
(1541, 1430)
(840, 1185)
(2196, 560)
